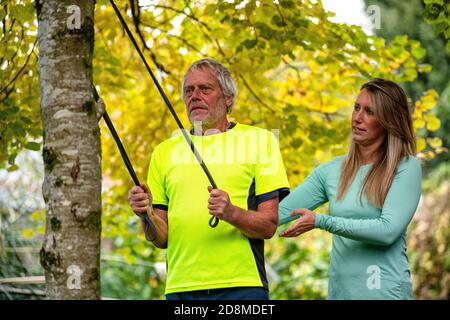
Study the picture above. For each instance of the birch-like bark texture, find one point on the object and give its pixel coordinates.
(72, 152)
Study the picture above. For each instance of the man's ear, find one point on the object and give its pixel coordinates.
(228, 102)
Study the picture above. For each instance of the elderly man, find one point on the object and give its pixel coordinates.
(225, 262)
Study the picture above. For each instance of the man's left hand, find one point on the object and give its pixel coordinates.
(219, 204)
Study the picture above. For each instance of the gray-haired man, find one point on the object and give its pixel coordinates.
(226, 262)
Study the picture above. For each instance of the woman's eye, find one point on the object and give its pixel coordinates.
(356, 108)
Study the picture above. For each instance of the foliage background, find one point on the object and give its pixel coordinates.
(296, 71)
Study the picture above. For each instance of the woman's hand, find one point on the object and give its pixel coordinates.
(304, 224)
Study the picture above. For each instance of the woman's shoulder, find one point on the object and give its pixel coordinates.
(332, 166)
(409, 163)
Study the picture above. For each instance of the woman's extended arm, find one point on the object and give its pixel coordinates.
(398, 209)
(310, 194)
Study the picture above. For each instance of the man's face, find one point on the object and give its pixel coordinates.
(204, 99)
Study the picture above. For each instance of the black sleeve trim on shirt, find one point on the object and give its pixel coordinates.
(280, 193)
(161, 207)
(284, 192)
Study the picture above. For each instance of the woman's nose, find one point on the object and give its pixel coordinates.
(358, 116)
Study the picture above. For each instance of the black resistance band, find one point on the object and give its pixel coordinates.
(213, 220)
(123, 153)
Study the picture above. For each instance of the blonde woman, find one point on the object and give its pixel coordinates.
(373, 194)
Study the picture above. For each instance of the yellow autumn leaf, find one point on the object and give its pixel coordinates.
(27, 233)
(440, 150)
(433, 123)
(428, 154)
(37, 216)
(421, 144)
(418, 107)
(313, 66)
(419, 123)
(429, 100)
(434, 142)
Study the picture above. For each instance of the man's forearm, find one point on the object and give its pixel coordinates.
(160, 225)
(253, 224)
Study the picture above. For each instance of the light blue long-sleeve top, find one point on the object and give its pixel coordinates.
(368, 258)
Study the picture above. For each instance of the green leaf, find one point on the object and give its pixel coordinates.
(265, 30)
(210, 9)
(288, 4)
(14, 167)
(13, 110)
(424, 68)
(26, 120)
(410, 74)
(296, 143)
(278, 21)
(401, 40)
(418, 52)
(250, 8)
(2, 14)
(28, 99)
(428, 2)
(35, 146)
(249, 43)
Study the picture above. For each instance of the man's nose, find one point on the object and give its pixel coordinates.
(195, 93)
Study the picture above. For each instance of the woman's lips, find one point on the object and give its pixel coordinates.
(358, 130)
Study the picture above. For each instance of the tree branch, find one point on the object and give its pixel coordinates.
(135, 12)
(254, 94)
(7, 93)
(20, 70)
(6, 33)
(190, 16)
(167, 34)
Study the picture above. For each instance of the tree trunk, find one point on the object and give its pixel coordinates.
(70, 254)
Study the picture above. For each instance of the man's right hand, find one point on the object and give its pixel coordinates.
(140, 198)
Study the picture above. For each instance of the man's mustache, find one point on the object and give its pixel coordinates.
(194, 106)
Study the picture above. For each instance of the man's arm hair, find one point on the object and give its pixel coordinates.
(259, 224)
(160, 221)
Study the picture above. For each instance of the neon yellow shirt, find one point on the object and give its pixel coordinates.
(241, 160)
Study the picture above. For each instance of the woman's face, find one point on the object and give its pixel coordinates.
(366, 130)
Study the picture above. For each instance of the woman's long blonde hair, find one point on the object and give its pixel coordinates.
(391, 109)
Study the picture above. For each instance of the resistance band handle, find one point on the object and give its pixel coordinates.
(213, 221)
(149, 224)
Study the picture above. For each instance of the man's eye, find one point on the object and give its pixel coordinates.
(188, 91)
(205, 89)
